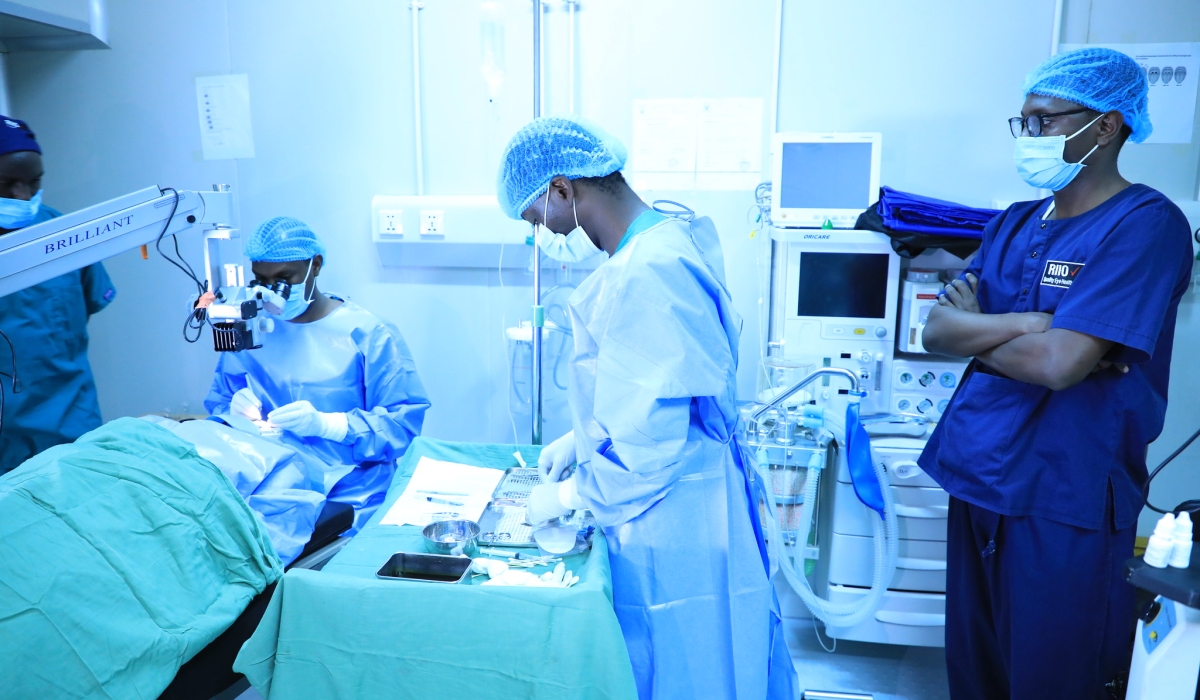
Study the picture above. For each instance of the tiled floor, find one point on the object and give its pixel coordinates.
(884, 671)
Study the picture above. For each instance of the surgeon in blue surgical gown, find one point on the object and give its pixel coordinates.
(652, 391)
(336, 379)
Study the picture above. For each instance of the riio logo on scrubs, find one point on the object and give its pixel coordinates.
(1060, 274)
(87, 235)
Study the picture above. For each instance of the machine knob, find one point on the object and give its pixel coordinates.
(880, 332)
(1150, 611)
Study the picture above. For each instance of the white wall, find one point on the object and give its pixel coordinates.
(331, 98)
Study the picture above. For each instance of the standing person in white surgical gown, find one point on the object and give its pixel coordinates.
(652, 391)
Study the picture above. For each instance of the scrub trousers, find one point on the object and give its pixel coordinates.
(1035, 609)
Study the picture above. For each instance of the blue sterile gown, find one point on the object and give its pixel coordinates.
(47, 324)
(350, 362)
(652, 394)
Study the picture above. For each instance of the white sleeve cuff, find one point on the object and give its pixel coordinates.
(336, 426)
(568, 494)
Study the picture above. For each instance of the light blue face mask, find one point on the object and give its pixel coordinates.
(571, 247)
(297, 304)
(1040, 160)
(18, 213)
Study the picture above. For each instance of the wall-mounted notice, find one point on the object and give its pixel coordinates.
(697, 144)
(1172, 71)
(224, 105)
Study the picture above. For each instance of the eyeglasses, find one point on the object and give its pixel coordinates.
(1034, 122)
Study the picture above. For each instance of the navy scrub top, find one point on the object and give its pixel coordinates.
(1116, 272)
(47, 324)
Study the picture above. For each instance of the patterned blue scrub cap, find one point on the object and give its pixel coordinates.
(1099, 79)
(283, 239)
(552, 146)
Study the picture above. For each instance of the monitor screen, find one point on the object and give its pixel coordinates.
(843, 285)
(826, 176)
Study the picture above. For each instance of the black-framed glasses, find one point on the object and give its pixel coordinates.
(1034, 122)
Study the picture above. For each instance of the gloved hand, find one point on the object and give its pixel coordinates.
(301, 418)
(548, 501)
(556, 457)
(245, 403)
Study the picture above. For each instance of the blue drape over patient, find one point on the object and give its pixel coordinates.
(285, 487)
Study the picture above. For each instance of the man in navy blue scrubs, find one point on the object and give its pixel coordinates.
(1069, 311)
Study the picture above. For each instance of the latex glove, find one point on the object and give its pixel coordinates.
(548, 501)
(556, 457)
(300, 418)
(544, 504)
(245, 403)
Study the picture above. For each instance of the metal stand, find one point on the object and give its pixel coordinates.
(539, 314)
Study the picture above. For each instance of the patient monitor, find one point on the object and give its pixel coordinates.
(833, 290)
(823, 178)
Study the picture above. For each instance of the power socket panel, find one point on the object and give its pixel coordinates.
(391, 222)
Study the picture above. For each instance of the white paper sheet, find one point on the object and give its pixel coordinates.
(467, 490)
(1172, 102)
(729, 137)
(697, 144)
(223, 102)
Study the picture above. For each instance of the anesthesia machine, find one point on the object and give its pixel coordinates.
(865, 546)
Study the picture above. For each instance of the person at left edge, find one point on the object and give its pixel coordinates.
(47, 323)
(336, 378)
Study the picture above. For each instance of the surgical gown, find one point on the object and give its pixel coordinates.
(47, 325)
(350, 362)
(652, 391)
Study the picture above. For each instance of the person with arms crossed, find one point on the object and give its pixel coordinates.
(1069, 311)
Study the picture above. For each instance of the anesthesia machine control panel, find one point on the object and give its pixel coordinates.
(833, 301)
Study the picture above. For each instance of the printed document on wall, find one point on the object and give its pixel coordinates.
(1172, 71)
(224, 106)
(664, 144)
(697, 144)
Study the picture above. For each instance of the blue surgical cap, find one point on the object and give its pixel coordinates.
(1099, 79)
(15, 136)
(548, 147)
(283, 239)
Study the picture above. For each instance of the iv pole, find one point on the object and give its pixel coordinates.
(539, 317)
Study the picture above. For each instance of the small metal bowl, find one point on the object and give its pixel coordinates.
(454, 537)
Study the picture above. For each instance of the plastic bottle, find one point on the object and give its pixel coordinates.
(1181, 542)
(1158, 549)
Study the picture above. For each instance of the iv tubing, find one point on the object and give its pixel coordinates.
(884, 533)
(418, 156)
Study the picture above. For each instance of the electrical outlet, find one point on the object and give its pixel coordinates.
(390, 222)
(432, 222)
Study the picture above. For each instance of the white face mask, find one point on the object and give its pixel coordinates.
(1040, 160)
(572, 247)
